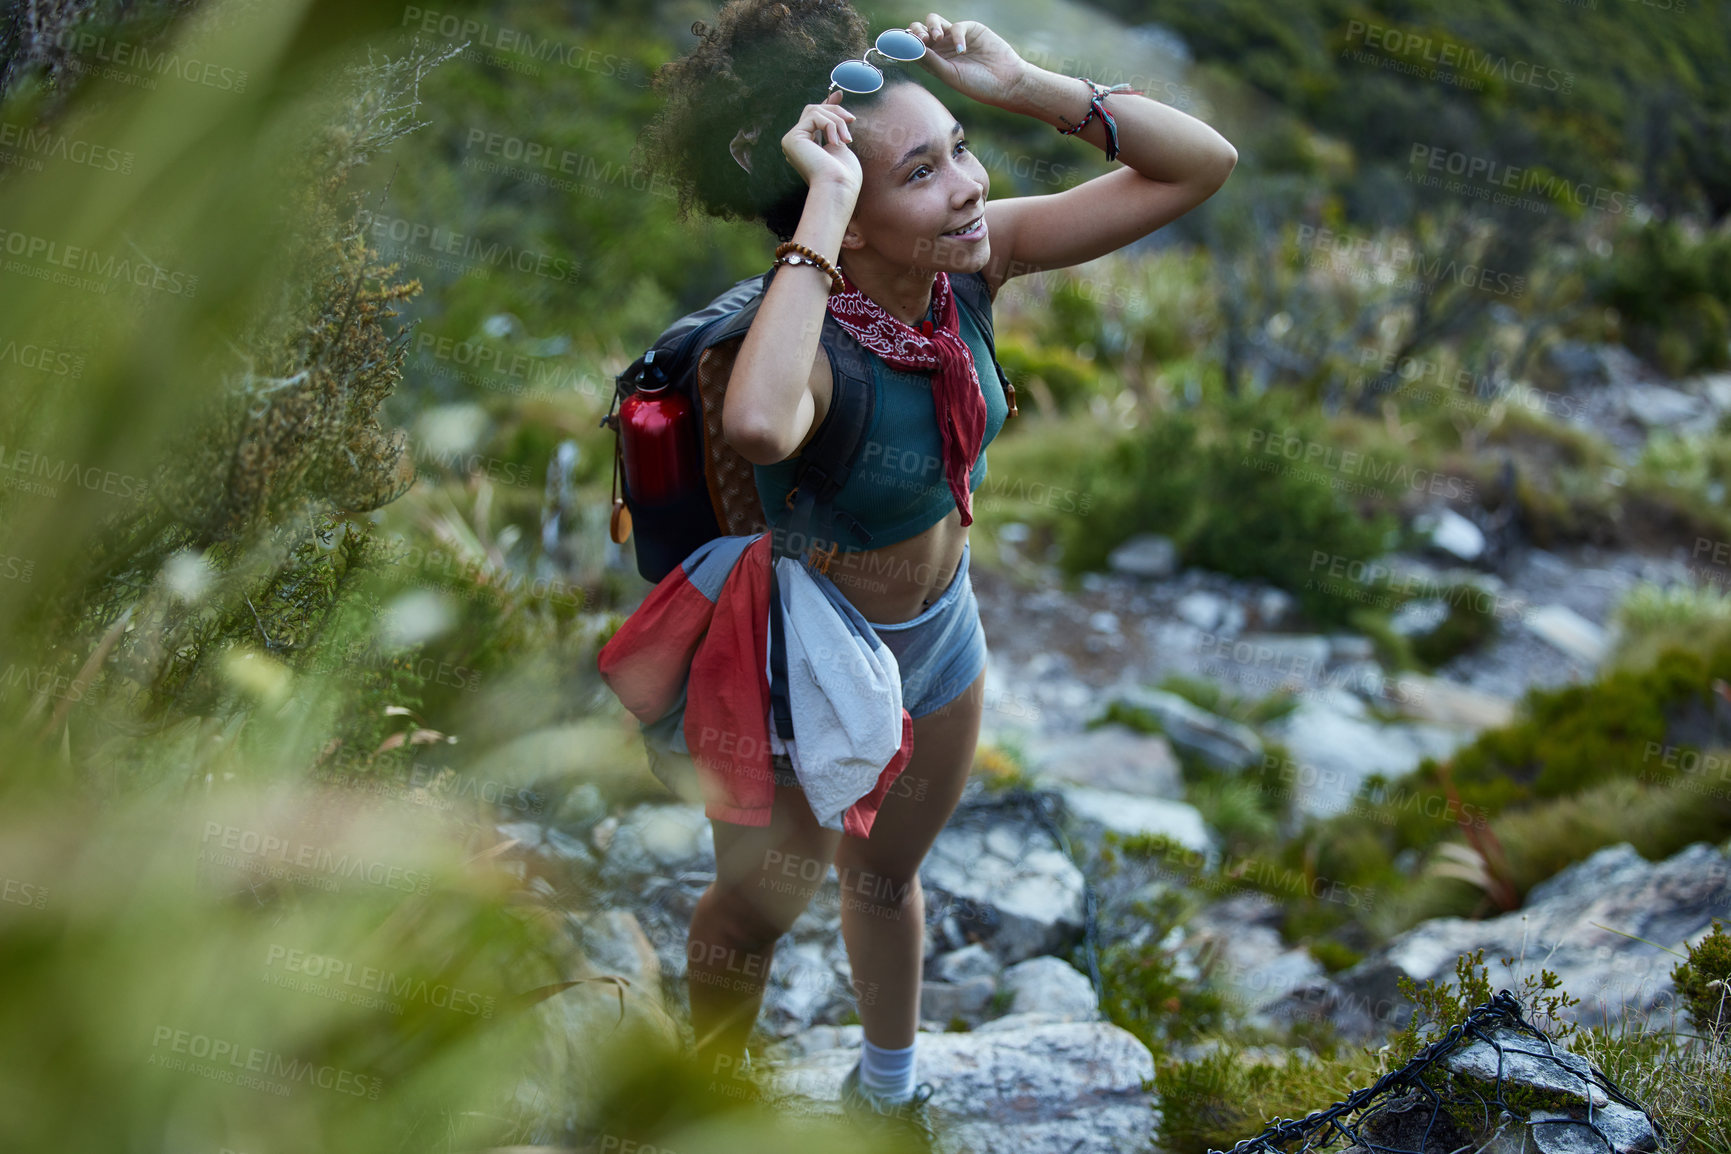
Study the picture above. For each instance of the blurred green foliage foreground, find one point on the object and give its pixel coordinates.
(252, 900)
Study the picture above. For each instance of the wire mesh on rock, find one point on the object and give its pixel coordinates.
(1425, 1108)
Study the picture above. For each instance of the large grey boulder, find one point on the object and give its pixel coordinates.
(1006, 884)
(1222, 743)
(1051, 986)
(1584, 924)
(614, 943)
(1109, 756)
(1580, 1115)
(1132, 816)
(656, 839)
(1236, 943)
(971, 961)
(1556, 1103)
(1335, 745)
(967, 1000)
(1022, 1082)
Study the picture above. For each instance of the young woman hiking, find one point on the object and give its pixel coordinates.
(885, 202)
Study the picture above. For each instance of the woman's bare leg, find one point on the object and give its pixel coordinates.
(883, 910)
(765, 876)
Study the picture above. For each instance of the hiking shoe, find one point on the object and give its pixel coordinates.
(912, 1120)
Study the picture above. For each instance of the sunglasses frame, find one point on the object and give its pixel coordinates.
(866, 60)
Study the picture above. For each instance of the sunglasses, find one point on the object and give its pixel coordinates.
(862, 76)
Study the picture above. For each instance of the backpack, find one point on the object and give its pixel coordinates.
(695, 356)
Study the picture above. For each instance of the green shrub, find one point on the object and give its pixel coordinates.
(1334, 956)
(1142, 992)
(1470, 624)
(1684, 1082)
(1216, 698)
(1672, 294)
(1439, 1005)
(1704, 982)
(1650, 617)
(1200, 477)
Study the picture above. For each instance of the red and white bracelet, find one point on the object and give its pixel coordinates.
(1095, 93)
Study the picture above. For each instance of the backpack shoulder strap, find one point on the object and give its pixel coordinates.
(828, 458)
(973, 294)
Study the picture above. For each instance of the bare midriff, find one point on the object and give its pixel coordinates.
(898, 582)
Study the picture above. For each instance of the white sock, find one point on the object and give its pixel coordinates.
(887, 1074)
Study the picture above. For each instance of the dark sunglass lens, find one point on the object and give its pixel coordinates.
(857, 76)
(900, 45)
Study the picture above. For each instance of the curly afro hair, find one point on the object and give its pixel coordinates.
(761, 64)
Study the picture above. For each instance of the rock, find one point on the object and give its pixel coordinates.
(1020, 1083)
(562, 1075)
(582, 807)
(1128, 814)
(1148, 556)
(813, 1041)
(1715, 388)
(603, 831)
(967, 999)
(1577, 924)
(1567, 631)
(1202, 609)
(1103, 621)
(1110, 756)
(1274, 607)
(1657, 406)
(1350, 647)
(1008, 885)
(1417, 618)
(614, 943)
(1236, 943)
(1570, 1079)
(1279, 655)
(1442, 702)
(1451, 533)
(1576, 364)
(659, 839)
(1335, 746)
(973, 961)
(547, 842)
(806, 983)
(1361, 1002)
(1222, 743)
(1051, 986)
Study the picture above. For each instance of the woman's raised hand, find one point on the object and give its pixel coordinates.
(970, 58)
(817, 146)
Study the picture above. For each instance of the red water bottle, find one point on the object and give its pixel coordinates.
(656, 438)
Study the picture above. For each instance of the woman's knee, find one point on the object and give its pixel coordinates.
(757, 906)
(880, 893)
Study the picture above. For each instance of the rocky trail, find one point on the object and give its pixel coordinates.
(1012, 1032)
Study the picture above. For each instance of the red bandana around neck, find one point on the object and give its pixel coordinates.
(956, 397)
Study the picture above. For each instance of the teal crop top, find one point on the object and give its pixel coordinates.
(897, 488)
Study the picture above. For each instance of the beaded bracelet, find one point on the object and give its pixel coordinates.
(792, 252)
(1095, 105)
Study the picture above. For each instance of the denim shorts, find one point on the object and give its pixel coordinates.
(941, 651)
